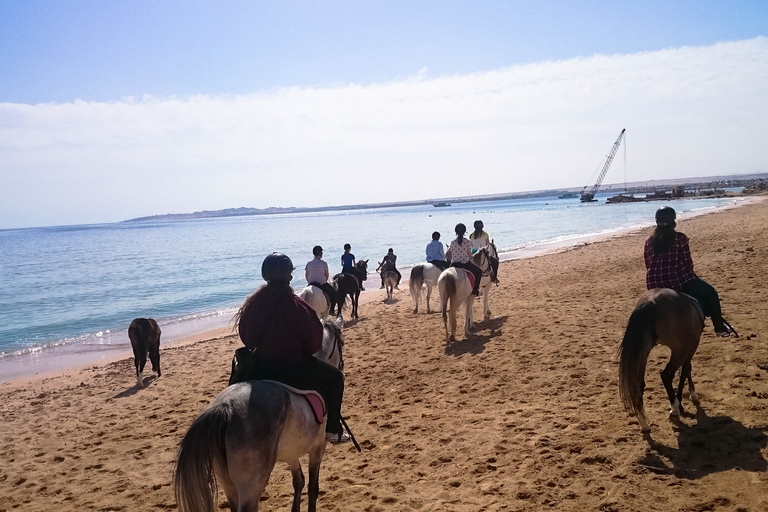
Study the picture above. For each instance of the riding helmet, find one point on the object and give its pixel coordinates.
(665, 216)
(277, 267)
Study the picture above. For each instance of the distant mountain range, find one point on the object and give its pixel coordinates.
(650, 185)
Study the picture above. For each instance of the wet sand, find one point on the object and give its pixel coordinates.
(522, 415)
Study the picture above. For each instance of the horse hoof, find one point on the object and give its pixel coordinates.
(694, 397)
(415, 311)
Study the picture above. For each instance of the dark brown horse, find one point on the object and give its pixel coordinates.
(665, 317)
(144, 334)
(349, 285)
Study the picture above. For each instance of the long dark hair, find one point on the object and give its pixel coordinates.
(248, 320)
(460, 229)
(663, 237)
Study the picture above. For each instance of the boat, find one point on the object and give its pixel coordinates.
(441, 205)
(568, 195)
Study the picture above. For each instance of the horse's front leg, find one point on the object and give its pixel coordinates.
(429, 294)
(298, 484)
(486, 309)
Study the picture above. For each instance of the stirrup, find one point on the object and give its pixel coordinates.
(340, 438)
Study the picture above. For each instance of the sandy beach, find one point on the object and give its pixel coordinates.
(522, 415)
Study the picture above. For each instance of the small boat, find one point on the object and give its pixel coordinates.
(568, 195)
(440, 205)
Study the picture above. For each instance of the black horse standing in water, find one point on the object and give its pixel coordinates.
(144, 334)
(350, 284)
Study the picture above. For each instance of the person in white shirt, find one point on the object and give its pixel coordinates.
(461, 256)
(316, 273)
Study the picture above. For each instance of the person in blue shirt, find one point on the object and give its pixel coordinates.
(348, 264)
(435, 252)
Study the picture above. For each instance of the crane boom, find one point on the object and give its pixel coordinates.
(590, 196)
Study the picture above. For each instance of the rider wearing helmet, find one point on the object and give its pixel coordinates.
(387, 264)
(668, 264)
(461, 256)
(480, 239)
(281, 333)
(316, 274)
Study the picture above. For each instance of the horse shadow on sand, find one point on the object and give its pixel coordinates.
(475, 343)
(712, 445)
(135, 389)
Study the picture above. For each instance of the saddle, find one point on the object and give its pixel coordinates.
(696, 305)
(313, 398)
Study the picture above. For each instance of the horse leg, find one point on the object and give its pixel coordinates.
(429, 294)
(355, 298)
(667, 376)
(486, 310)
(313, 490)
(154, 357)
(685, 374)
(468, 323)
(139, 360)
(298, 484)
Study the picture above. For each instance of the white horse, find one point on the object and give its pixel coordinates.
(455, 287)
(390, 281)
(239, 438)
(423, 274)
(317, 300)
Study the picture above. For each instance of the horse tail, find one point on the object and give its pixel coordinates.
(639, 338)
(449, 283)
(138, 334)
(416, 281)
(200, 451)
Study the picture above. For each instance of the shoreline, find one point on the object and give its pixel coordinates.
(50, 362)
(521, 414)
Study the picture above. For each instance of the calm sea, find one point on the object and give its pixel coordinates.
(68, 293)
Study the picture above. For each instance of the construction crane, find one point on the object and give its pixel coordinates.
(587, 197)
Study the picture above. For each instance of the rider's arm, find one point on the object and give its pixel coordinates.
(327, 273)
(685, 252)
(648, 253)
(306, 273)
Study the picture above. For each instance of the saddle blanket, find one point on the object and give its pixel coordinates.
(313, 398)
(470, 276)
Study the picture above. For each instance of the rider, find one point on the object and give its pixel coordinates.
(668, 264)
(316, 273)
(461, 256)
(348, 264)
(435, 253)
(283, 332)
(480, 239)
(387, 264)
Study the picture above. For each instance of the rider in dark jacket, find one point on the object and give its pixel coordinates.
(282, 333)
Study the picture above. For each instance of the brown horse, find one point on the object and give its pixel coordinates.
(350, 284)
(144, 334)
(665, 317)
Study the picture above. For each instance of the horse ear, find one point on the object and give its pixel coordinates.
(339, 322)
(365, 261)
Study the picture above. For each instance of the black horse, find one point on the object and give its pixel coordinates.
(349, 284)
(144, 334)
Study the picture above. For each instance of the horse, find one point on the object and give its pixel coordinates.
(317, 300)
(349, 284)
(421, 274)
(249, 427)
(482, 259)
(144, 334)
(665, 317)
(390, 281)
(454, 287)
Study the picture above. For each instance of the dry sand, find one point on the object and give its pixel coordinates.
(523, 415)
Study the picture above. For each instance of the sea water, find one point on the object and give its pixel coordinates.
(68, 293)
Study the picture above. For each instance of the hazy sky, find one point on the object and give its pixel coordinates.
(112, 110)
